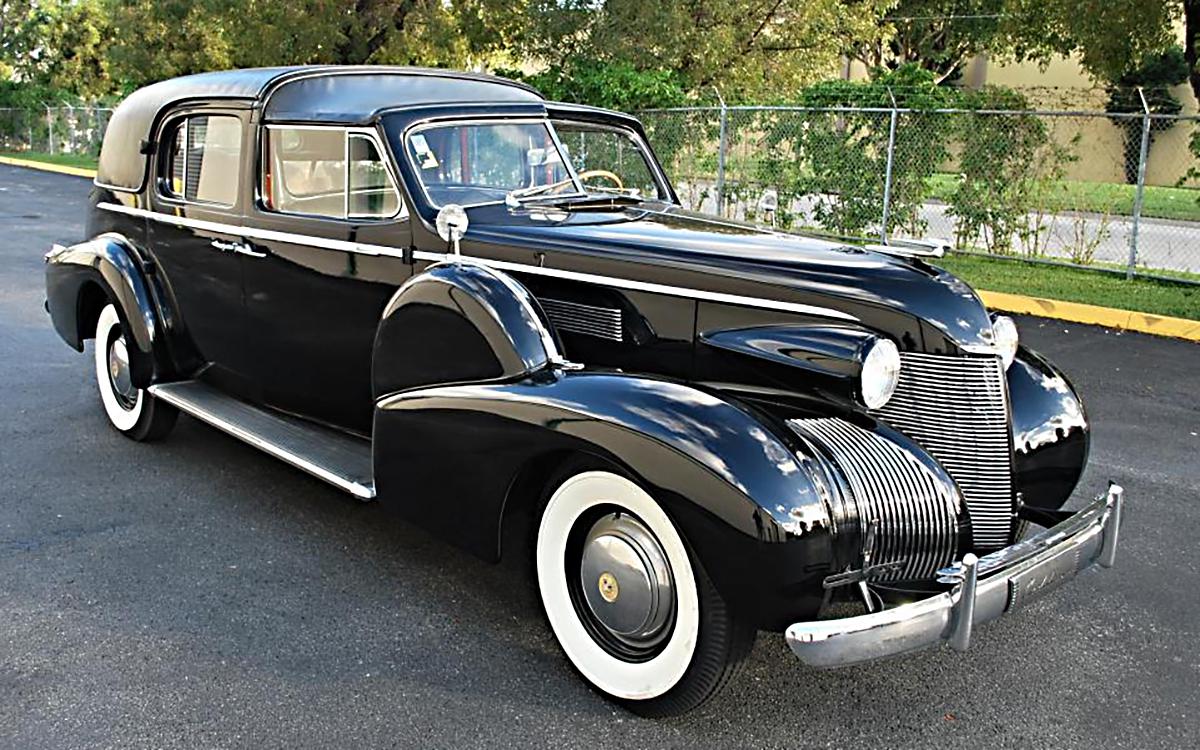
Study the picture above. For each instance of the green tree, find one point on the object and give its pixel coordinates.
(157, 39)
(1110, 37)
(938, 35)
(56, 49)
(615, 85)
(13, 14)
(1155, 75)
(753, 50)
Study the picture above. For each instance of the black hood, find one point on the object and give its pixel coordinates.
(668, 245)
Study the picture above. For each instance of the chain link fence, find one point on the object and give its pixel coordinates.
(1117, 191)
(54, 130)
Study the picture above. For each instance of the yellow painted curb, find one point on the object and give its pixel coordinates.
(47, 167)
(1076, 312)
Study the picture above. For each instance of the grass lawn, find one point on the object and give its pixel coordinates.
(1101, 197)
(66, 160)
(1076, 285)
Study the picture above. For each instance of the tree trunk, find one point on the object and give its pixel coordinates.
(1191, 29)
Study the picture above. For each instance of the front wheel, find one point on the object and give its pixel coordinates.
(632, 609)
(131, 410)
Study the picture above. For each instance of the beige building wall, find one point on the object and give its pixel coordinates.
(1100, 146)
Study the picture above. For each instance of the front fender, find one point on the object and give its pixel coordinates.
(751, 509)
(1051, 434)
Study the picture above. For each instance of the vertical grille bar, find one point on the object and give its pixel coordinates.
(957, 409)
(917, 513)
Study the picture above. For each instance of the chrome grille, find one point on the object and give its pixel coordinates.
(917, 514)
(591, 320)
(957, 409)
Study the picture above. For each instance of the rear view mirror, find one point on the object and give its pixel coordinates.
(452, 224)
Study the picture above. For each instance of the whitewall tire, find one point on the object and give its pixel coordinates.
(131, 410)
(632, 610)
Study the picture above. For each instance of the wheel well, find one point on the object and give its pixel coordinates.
(518, 524)
(92, 300)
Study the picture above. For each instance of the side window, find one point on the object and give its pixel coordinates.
(201, 158)
(304, 171)
(372, 194)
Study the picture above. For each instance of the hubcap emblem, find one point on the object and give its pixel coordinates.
(608, 587)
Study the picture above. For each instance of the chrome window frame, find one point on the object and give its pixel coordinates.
(441, 122)
(182, 200)
(347, 131)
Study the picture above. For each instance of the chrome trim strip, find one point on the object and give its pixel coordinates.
(361, 491)
(1046, 560)
(265, 234)
(364, 249)
(646, 286)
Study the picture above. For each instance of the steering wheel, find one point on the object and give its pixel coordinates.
(611, 177)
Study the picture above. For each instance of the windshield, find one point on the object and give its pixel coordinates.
(483, 163)
(608, 159)
(476, 163)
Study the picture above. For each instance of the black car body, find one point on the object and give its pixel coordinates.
(466, 367)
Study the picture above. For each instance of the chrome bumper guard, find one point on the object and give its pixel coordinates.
(987, 587)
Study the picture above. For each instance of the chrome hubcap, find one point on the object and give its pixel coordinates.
(118, 373)
(626, 580)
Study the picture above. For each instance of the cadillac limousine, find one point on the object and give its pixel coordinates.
(481, 309)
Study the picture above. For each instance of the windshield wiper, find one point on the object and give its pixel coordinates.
(513, 199)
(593, 200)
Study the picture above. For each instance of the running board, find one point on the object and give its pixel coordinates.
(340, 459)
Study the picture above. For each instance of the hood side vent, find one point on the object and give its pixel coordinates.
(589, 320)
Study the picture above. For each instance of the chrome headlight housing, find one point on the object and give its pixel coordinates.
(880, 373)
(1004, 333)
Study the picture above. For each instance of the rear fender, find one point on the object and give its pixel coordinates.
(111, 262)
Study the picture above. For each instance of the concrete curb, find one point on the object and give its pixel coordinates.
(1109, 317)
(1075, 312)
(47, 167)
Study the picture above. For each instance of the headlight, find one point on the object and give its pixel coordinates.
(880, 373)
(1004, 331)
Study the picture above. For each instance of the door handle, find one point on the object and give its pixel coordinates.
(245, 248)
(241, 248)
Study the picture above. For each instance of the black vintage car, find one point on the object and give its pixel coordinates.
(483, 309)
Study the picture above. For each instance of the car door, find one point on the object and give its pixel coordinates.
(335, 242)
(196, 240)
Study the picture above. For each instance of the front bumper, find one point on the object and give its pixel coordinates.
(986, 588)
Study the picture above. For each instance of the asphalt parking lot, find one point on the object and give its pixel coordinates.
(197, 593)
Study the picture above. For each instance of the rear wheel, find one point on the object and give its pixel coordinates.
(633, 610)
(131, 410)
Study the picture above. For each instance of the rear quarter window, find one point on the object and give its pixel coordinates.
(201, 159)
